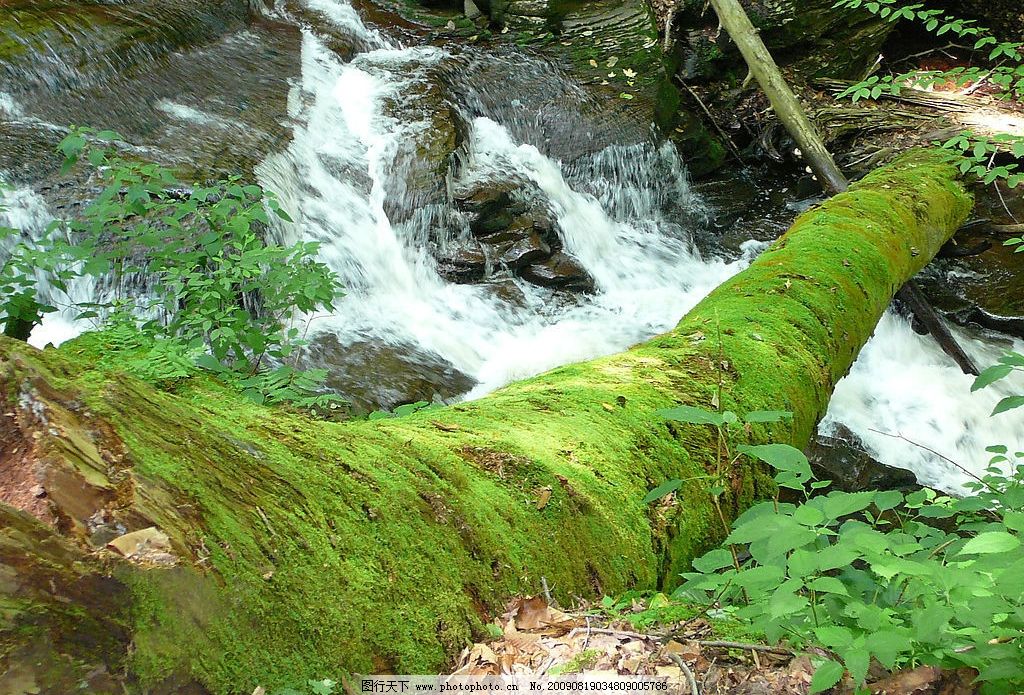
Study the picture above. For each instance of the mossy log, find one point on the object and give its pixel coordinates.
(298, 548)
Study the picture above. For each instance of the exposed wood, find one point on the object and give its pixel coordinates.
(981, 115)
(735, 21)
(912, 297)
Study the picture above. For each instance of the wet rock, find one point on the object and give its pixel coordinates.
(148, 546)
(986, 289)
(465, 262)
(745, 204)
(528, 248)
(840, 457)
(560, 271)
(65, 619)
(373, 376)
(417, 177)
(491, 207)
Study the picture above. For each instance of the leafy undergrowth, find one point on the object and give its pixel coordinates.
(653, 635)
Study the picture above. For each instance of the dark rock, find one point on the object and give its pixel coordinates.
(559, 272)
(417, 177)
(841, 458)
(465, 263)
(528, 248)
(745, 204)
(985, 289)
(373, 376)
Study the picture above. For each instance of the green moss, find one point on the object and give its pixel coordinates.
(310, 548)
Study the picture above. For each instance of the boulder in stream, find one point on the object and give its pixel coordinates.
(372, 375)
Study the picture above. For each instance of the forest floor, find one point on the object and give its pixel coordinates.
(651, 637)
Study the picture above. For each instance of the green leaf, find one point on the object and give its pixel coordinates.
(828, 585)
(990, 375)
(808, 516)
(691, 415)
(782, 457)
(991, 542)
(323, 687)
(889, 499)
(665, 488)
(786, 603)
(857, 661)
(1008, 403)
(834, 636)
(210, 363)
(826, 675)
(887, 646)
(839, 504)
(714, 560)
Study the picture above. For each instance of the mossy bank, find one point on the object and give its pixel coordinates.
(300, 548)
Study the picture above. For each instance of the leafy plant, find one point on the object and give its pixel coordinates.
(1009, 363)
(188, 277)
(876, 575)
(402, 410)
(973, 153)
(1007, 73)
(727, 426)
(24, 261)
(325, 686)
(976, 155)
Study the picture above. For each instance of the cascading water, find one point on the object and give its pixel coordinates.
(624, 212)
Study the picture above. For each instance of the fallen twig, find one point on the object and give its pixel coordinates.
(724, 644)
(686, 670)
(725, 136)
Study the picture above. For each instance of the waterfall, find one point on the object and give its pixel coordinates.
(23, 209)
(625, 213)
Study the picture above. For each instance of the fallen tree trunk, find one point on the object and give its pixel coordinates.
(295, 548)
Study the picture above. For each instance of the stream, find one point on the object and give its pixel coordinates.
(394, 156)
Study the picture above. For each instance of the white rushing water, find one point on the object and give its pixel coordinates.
(356, 130)
(336, 173)
(23, 209)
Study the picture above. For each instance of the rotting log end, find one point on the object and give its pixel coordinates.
(301, 547)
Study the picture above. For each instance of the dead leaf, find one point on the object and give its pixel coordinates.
(909, 682)
(445, 426)
(609, 407)
(687, 651)
(543, 497)
(481, 662)
(671, 672)
(534, 614)
(135, 542)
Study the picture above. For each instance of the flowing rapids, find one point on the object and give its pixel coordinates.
(624, 212)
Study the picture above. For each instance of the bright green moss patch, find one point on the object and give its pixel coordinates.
(308, 548)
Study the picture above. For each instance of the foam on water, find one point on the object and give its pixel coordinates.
(8, 106)
(904, 389)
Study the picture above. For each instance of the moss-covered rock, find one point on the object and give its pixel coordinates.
(306, 547)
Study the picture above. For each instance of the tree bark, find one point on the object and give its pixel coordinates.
(735, 21)
(297, 548)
